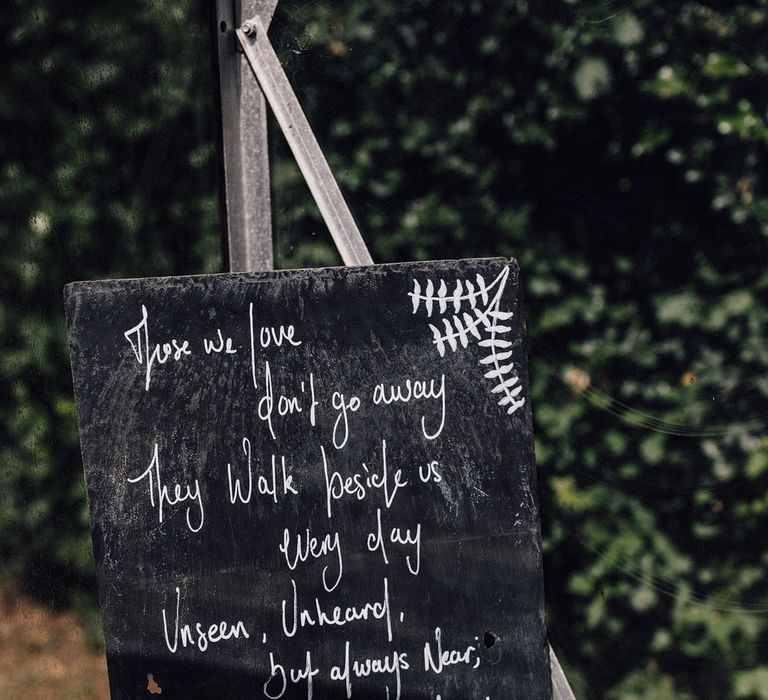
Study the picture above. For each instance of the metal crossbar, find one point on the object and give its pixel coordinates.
(295, 127)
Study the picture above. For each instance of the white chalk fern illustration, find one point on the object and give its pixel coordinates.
(473, 309)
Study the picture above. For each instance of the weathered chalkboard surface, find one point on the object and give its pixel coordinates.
(316, 483)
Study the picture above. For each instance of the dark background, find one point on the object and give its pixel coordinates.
(617, 150)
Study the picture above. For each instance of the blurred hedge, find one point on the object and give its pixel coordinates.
(618, 151)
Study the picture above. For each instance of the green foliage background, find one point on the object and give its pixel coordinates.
(618, 150)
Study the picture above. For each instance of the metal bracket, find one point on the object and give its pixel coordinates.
(295, 127)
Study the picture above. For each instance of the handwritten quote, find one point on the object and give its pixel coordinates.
(325, 477)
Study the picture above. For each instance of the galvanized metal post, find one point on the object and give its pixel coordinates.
(245, 198)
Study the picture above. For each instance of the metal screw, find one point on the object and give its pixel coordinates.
(248, 29)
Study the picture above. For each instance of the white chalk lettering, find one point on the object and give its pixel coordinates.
(138, 337)
(313, 548)
(377, 541)
(343, 406)
(414, 390)
(360, 483)
(265, 485)
(180, 494)
(197, 635)
(337, 617)
(269, 335)
(267, 406)
(393, 663)
(448, 657)
(223, 345)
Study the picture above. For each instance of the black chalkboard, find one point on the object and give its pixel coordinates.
(315, 483)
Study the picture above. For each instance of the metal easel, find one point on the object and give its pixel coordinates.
(244, 50)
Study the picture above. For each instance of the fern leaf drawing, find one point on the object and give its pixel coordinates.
(463, 339)
(416, 295)
(509, 397)
(483, 288)
(500, 315)
(457, 297)
(504, 386)
(497, 372)
(498, 328)
(475, 312)
(441, 292)
(470, 326)
(465, 292)
(438, 339)
(450, 336)
(494, 343)
(499, 357)
(471, 292)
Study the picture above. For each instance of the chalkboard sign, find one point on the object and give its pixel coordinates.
(315, 483)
